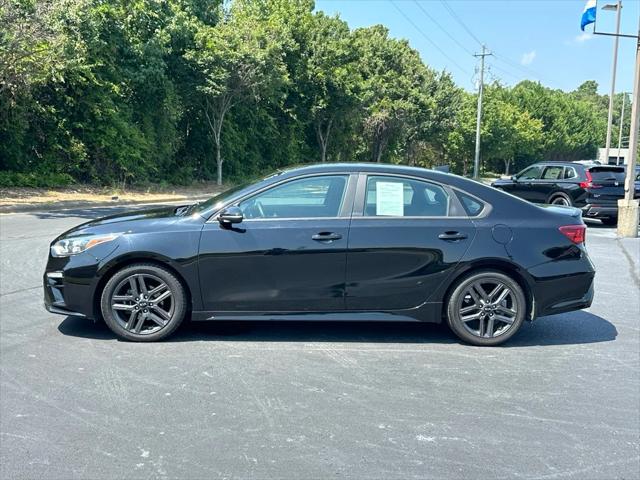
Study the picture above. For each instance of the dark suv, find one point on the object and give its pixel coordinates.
(595, 189)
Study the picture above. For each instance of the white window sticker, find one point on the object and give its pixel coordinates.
(390, 199)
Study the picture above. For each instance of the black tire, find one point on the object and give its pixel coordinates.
(134, 316)
(560, 199)
(463, 301)
(609, 221)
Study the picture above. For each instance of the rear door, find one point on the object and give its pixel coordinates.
(406, 236)
(551, 181)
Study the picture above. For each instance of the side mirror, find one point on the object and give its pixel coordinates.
(514, 178)
(230, 215)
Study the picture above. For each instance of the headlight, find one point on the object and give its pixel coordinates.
(75, 245)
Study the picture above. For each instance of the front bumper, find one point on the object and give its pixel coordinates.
(54, 294)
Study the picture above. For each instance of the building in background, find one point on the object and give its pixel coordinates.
(616, 157)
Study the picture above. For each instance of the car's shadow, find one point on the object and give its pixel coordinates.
(566, 329)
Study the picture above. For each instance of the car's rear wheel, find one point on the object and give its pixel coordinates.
(561, 199)
(609, 221)
(143, 303)
(486, 308)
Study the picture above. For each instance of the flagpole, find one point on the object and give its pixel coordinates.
(614, 69)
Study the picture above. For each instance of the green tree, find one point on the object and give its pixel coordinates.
(239, 59)
(330, 78)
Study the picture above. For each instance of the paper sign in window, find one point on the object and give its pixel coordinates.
(390, 199)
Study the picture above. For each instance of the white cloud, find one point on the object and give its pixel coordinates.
(528, 58)
(579, 40)
(583, 37)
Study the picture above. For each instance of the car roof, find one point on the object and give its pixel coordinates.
(379, 168)
(356, 167)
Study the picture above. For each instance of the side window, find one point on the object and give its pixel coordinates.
(472, 206)
(404, 197)
(570, 172)
(531, 173)
(312, 197)
(552, 173)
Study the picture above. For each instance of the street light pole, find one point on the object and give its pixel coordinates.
(624, 98)
(614, 67)
(628, 207)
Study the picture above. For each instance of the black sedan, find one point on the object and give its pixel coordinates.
(329, 242)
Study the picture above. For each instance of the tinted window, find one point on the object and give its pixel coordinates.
(531, 173)
(312, 197)
(604, 174)
(404, 197)
(570, 172)
(472, 206)
(552, 173)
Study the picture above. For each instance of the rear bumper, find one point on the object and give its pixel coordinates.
(569, 305)
(600, 211)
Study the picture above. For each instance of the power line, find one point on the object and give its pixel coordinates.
(459, 20)
(501, 58)
(507, 72)
(514, 64)
(429, 39)
(442, 28)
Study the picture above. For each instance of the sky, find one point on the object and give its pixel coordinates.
(530, 39)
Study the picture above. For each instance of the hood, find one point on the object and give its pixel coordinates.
(137, 221)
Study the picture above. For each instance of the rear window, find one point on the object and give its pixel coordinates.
(607, 174)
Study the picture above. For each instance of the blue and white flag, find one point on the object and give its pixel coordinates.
(589, 14)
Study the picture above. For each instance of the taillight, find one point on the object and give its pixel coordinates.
(575, 233)
(589, 182)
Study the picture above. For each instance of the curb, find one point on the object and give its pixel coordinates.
(70, 205)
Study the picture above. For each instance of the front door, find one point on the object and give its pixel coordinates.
(526, 183)
(287, 255)
(405, 239)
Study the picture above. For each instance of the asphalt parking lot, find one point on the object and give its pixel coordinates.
(273, 400)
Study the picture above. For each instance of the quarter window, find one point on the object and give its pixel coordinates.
(472, 206)
(404, 197)
(570, 172)
(312, 197)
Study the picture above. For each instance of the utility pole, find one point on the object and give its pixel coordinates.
(476, 161)
(618, 7)
(624, 98)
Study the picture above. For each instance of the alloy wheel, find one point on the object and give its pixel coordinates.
(142, 304)
(488, 308)
(560, 201)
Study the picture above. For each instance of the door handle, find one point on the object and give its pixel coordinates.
(326, 237)
(452, 236)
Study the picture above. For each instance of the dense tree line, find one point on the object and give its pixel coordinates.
(119, 92)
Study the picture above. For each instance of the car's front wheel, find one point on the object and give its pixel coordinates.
(486, 308)
(143, 303)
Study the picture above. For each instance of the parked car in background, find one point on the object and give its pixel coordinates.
(328, 242)
(593, 188)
